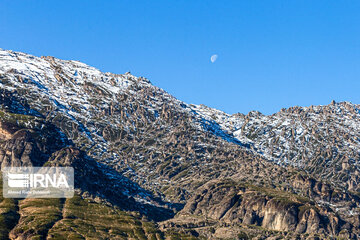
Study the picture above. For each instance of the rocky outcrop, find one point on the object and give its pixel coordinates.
(21, 150)
(6, 130)
(239, 204)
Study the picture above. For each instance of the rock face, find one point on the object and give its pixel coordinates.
(136, 148)
(233, 203)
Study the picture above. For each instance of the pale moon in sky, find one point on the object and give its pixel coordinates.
(213, 58)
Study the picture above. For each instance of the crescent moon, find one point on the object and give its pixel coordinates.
(213, 58)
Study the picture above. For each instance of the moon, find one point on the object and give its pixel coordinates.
(213, 58)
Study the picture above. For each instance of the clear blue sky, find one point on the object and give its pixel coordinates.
(272, 54)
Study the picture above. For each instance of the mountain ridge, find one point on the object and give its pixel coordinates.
(199, 164)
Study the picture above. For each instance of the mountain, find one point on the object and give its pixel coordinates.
(323, 140)
(149, 166)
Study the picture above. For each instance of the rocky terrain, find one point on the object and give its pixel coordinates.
(149, 166)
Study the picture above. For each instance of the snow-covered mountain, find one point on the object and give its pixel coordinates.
(170, 157)
(321, 139)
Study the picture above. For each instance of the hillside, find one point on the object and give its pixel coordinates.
(158, 168)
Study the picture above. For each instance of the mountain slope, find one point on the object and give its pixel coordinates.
(191, 169)
(323, 140)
